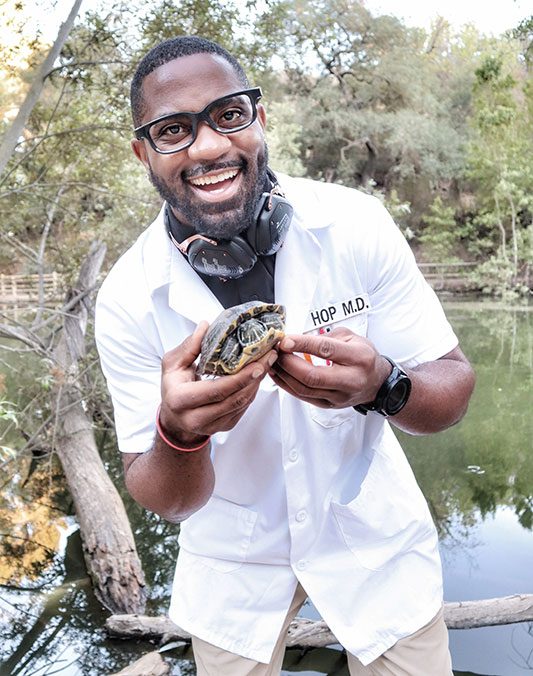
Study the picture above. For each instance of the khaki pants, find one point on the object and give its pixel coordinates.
(424, 653)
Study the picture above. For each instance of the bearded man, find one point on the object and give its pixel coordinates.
(286, 476)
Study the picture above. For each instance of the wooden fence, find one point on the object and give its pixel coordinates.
(25, 288)
(452, 276)
(19, 292)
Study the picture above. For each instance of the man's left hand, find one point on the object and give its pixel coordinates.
(356, 373)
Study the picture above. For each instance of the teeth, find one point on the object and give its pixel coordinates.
(217, 178)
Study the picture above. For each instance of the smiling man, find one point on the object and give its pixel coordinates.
(215, 183)
(286, 476)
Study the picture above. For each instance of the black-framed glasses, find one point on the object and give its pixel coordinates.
(226, 115)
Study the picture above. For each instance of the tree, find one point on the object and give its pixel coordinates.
(13, 133)
(500, 155)
(70, 181)
(439, 238)
(371, 101)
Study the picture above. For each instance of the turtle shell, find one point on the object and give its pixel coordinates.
(239, 335)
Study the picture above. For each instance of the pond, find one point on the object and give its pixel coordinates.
(477, 477)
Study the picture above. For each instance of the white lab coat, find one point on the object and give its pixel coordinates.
(325, 497)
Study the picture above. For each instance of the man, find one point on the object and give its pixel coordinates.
(283, 487)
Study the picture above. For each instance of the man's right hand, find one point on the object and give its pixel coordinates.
(176, 484)
(192, 408)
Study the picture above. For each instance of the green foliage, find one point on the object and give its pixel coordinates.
(362, 100)
(282, 132)
(439, 237)
(495, 277)
(398, 209)
(7, 412)
(524, 33)
(489, 70)
(500, 161)
(379, 102)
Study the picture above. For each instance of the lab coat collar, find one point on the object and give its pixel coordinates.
(294, 284)
(165, 265)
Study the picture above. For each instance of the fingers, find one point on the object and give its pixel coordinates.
(322, 398)
(213, 404)
(350, 377)
(334, 347)
(321, 385)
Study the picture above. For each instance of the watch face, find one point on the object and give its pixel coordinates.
(398, 396)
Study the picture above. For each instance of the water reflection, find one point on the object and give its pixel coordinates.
(486, 461)
(477, 477)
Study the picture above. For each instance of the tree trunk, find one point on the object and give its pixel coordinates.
(108, 542)
(514, 236)
(14, 132)
(305, 633)
(370, 165)
(501, 227)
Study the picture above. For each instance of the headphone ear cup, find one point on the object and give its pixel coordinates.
(252, 233)
(228, 258)
(268, 231)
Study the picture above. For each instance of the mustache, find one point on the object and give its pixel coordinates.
(216, 166)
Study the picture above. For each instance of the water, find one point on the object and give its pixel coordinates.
(477, 477)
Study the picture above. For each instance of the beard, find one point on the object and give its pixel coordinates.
(221, 220)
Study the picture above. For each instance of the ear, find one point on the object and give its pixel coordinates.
(261, 116)
(139, 150)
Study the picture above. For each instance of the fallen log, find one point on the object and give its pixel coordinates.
(108, 543)
(151, 663)
(159, 629)
(304, 633)
(489, 612)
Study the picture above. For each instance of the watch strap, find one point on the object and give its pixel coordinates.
(381, 404)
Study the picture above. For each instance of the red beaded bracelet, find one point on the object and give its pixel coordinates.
(168, 443)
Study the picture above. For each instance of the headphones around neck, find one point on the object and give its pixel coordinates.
(233, 258)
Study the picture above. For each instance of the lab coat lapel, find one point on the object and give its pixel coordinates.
(165, 266)
(188, 295)
(297, 271)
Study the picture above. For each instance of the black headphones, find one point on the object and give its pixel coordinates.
(233, 258)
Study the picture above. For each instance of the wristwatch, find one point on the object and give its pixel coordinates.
(392, 395)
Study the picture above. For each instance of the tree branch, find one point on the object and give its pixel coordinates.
(36, 87)
(76, 64)
(304, 633)
(76, 130)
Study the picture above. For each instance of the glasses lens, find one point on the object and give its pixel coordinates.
(231, 113)
(172, 132)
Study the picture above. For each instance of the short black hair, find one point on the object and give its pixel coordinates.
(166, 51)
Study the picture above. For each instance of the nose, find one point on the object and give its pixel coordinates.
(209, 144)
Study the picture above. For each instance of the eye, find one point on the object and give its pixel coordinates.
(173, 129)
(231, 115)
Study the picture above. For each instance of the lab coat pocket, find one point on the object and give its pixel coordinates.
(385, 519)
(220, 533)
(331, 417)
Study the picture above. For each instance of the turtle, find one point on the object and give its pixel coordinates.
(239, 335)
